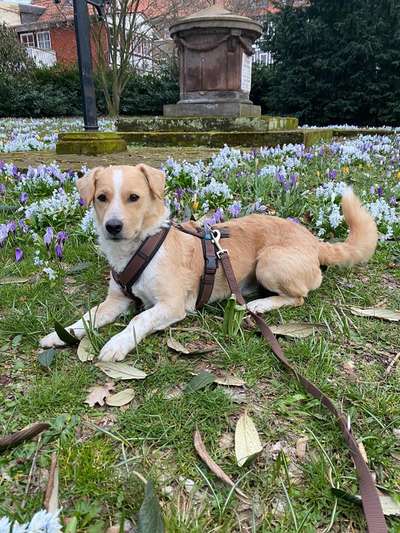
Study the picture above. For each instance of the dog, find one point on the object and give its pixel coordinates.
(277, 254)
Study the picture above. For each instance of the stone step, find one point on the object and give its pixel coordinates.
(217, 139)
(205, 124)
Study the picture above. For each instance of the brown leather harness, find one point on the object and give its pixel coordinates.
(213, 255)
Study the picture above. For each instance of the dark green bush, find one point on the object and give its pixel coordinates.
(56, 91)
(335, 62)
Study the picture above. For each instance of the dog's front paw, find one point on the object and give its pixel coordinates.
(117, 348)
(51, 340)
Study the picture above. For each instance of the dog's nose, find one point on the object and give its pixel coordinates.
(114, 226)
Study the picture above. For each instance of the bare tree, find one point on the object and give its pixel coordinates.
(122, 32)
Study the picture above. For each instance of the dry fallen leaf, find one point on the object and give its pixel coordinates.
(301, 447)
(226, 441)
(85, 350)
(297, 330)
(177, 346)
(51, 496)
(98, 394)
(229, 381)
(215, 469)
(362, 451)
(247, 441)
(120, 398)
(377, 312)
(121, 371)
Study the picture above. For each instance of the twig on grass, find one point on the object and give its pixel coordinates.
(9, 441)
(31, 471)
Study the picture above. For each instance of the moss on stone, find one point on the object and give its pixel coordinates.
(90, 143)
(206, 124)
(217, 139)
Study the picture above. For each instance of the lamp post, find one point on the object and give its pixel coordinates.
(82, 32)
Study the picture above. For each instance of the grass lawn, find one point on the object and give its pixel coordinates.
(101, 449)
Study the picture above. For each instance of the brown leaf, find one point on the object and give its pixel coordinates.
(176, 346)
(377, 312)
(297, 330)
(51, 497)
(362, 451)
(229, 381)
(98, 394)
(301, 447)
(215, 469)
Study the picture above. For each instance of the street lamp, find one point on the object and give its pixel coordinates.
(82, 32)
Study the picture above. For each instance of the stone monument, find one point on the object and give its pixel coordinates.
(215, 56)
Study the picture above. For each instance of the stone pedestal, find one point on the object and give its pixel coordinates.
(215, 54)
(90, 143)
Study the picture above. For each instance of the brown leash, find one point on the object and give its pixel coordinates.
(212, 252)
(370, 499)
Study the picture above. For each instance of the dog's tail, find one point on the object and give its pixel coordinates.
(361, 242)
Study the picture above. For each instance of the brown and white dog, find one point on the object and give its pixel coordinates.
(281, 256)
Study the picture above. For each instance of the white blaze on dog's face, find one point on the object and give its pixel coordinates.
(127, 199)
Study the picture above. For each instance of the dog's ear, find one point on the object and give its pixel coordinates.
(155, 179)
(86, 185)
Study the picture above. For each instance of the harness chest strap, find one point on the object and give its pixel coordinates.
(140, 260)
(370, 499)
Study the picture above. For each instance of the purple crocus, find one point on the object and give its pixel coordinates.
(2, 189)
(293, 180)
(48, 236)
(19, 255)
(23, 197)
(59, 251)
(2, 165)
(293, 219)
(332, 174)
(23, 226)
(372, 189)
(11, 227)
(82, 202)
(393, 200)
(380, 191)
(62, 236)
(235, 209)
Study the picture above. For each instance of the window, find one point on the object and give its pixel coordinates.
(28, 39)
(43, 40)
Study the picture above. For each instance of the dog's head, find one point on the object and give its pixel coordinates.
(127, 199)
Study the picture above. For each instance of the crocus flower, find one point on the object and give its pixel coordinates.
(62, 236)
(82, 202)
(59, 251)
(23, 197)
(11, 227)
(2, 189)
(332, 174)
(19, 255)
(23, 226)
(3, 234)
(48, 236)
(393, 200)
(380, 191)
(293, 219)
(235, 209)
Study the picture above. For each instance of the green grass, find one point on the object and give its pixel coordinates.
(100, 449)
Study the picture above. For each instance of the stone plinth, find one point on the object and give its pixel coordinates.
(215, 53)
(90, 143)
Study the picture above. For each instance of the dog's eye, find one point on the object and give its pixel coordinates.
(102, 198)
(133, 198)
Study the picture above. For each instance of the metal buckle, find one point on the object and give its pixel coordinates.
(216, 234)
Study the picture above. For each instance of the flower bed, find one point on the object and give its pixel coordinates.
(41, 208)
(24, 135)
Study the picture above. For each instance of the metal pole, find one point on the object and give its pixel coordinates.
(82, 31)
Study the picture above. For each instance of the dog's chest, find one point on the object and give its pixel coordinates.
(146, 286)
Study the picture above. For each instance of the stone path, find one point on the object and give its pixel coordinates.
(154, 156)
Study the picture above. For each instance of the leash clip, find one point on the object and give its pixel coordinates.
(216, 234)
